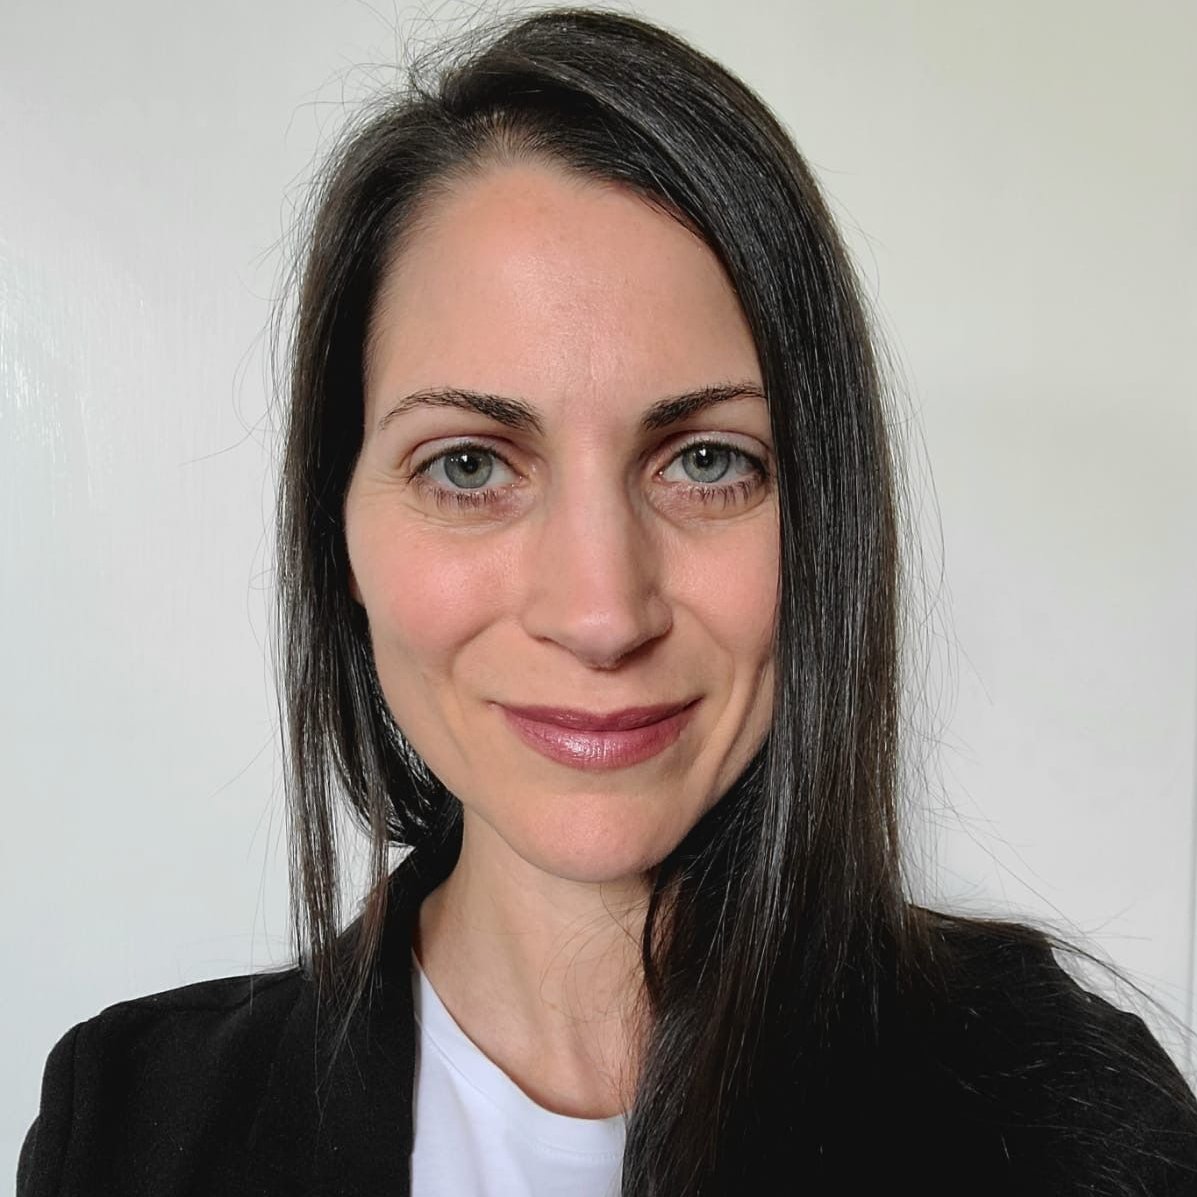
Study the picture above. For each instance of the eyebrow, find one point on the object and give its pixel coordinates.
(522, 416)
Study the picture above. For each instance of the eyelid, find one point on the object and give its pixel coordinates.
(458, 446)
(735, 440)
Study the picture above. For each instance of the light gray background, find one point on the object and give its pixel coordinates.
(1017, 182)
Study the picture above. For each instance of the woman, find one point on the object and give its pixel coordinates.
(589, 595)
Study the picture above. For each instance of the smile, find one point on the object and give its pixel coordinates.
(584, 748)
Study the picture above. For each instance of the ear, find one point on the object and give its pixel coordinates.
(354, 589)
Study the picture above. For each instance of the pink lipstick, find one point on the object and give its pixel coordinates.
(587, 740)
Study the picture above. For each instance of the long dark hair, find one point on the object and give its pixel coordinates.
(778, 932)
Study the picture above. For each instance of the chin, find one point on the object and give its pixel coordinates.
(607, 844)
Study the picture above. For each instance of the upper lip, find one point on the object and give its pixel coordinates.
(578, 720)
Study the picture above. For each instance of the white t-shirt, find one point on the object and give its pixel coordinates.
(478, 1134)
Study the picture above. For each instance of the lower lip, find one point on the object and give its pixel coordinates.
(600, 750)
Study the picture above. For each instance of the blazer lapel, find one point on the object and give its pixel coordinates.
(347, 1130)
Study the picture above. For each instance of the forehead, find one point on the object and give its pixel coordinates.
(528, 280)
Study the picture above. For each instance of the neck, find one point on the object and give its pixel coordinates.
(542, 973)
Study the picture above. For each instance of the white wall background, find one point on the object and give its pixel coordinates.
(1018, 182)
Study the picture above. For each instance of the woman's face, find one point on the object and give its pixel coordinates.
(573, 556)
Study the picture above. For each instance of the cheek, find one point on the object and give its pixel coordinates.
(732, 584)
(424, 593)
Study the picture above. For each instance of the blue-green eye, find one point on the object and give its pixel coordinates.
(715, 460)
(468, 467)
(711, 461)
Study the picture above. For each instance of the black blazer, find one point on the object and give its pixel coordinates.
(212, 1089)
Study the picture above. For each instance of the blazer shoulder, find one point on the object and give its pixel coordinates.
(1072, 1084)
(154, 1076)
(228, 994)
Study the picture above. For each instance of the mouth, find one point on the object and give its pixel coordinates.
(588, 740)
(590, 721)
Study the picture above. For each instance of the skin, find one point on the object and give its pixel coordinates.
(594, 580)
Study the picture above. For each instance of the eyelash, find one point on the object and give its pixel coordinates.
(733, 492)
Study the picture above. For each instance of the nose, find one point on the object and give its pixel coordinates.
(595, 573)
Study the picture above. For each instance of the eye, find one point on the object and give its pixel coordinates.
(467, 468)
(709, 462)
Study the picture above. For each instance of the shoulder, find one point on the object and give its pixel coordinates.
(184, 1062)
(1074, 1091)
(217, 1021)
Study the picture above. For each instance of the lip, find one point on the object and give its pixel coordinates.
(622, 738)
(589, 721)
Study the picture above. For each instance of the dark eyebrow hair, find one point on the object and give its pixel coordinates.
(523, 417)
